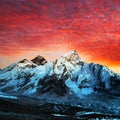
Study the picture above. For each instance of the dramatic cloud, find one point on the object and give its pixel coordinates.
(92, 27)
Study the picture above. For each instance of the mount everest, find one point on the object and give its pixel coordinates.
(68, 75)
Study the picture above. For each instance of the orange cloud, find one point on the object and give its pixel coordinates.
(90, 27)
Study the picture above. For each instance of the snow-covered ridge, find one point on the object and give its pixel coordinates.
(68, 64)
(69, 74)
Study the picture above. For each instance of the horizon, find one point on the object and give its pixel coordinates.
(51, 28)
(51, 60)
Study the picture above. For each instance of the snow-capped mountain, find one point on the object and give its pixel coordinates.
(67, 75)
(23, 76)
(39, 60)
(68, 65)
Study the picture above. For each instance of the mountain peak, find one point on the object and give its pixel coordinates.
(24, 61)
(69, 63)
(72, 56)
(39, 60)
(67, 75)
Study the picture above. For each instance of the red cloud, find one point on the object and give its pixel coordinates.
(91, 27)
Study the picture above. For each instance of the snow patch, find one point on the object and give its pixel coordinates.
(8, 96)
(59, 115)
(86, 91)
(73, 87)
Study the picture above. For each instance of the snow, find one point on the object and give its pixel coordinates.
(72, 85)
(70, 62)
(58, 115)
(24, 71)
(30, 91)
(4, 76)
(86, 91)
(8, 96)
(41, 71)
(86, 77)
(86, 113)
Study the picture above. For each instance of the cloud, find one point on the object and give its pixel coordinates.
(91, 27)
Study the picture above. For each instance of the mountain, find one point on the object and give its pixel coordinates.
(67, 88)
(22, 77)
(39, 60)
(68, 75)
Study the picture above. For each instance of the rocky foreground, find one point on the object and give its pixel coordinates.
(35, 108)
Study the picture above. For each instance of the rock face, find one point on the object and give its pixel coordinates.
(39, 60)
(67, 75)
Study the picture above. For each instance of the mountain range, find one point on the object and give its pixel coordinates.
(68, 75)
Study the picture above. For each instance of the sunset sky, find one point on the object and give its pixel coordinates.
(51, 28)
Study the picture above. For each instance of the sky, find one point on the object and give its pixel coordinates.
(51, 28)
